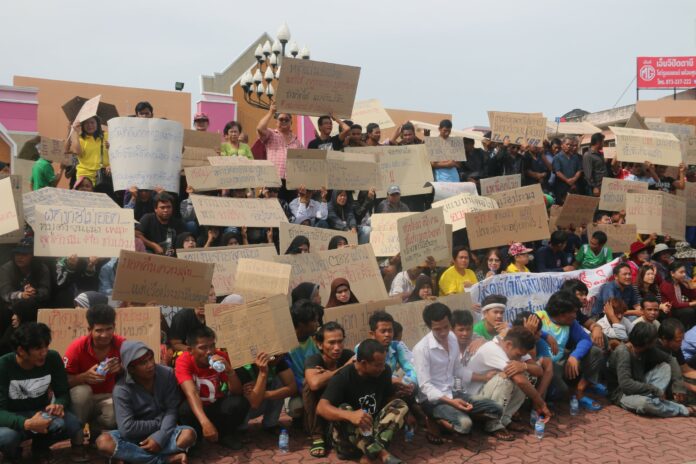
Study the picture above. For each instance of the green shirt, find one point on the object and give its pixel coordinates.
(480, 329)
(27, 390)
(588, 260)
(42, 174)
(226, 149)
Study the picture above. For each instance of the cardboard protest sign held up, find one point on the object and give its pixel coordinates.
(422, 235)
(10, 210)
(577, 210)
(23, 168)
(529, 195)
(638, 146)
(257, 279)
(371, 111)
(318, 238)
(613, 194)
(50, 196)
(619, 236)
(67, 230)
(455, 208)
(444, 190)
(518, 128)
(384, 237)
(145, 153)
(143, 277)
(306, 167)
(237, 176)
(354, 318)
(141, 324)
(357, 265)
(54, 150)
(250, 212)
(314, 88)
(225, 260)
(685, 133)
(658, 212)
(440, 149)
(271, 322)
(500, 183)
(201, 139)
(498, 227)
(609, 152)
(689, 193)
(198, 156)
(332, 169)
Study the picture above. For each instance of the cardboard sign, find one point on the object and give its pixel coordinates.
(145, 153)
(368, 111)
(497, 184)
(422, 235)
(612, 196)
(455, 208)
(67, 230)
(529, 195)
(577, 210)
(685, 133)
(238, 176)
(257, 279)
(201, 139)
(638, 146)
(384, 237)
(23, 168)
(690, 151)
(9, 210)
(571, 128)
(50, 196)
(54, 150)
(250, 212)
(314, 88)
(354, 318)
(410, 315)
(197, 156)
(357, 265)
(444, 190)
(306, 167)
(141, 324)
(268, 317)
(225, 260)
(440, 149)
(518, 128)
(89, 109)
(236, 161)
(143, 277)
(657, 212)
(404, 165)
(689, 193)
(318, 238)
(619, 236)
(497, 227)
(331, 169)
(609, 152)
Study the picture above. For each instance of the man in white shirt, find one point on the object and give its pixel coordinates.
(509, 356)
(307, 211)
(437, 362)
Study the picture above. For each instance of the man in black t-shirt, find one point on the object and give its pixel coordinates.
(158, 230)
(319, 370)
(325, 141)
(358, 403)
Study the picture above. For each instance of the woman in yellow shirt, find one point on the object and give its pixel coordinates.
(520, 258)
(458, 276)
(233, 147)
(89, 143)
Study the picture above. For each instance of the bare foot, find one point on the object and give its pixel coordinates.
(179, 458)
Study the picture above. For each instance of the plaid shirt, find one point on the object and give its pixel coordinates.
(277, 149)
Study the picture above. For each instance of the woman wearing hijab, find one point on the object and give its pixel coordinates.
(306, 291)
(338, 241)
(299, 245)
(341, 294)
(341, 215)
(423, 289)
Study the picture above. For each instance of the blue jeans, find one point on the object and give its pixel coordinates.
(460, 420)
(131, 452)
(660, 376)
(59, 429)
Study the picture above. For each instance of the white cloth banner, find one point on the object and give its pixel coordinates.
(531, 291)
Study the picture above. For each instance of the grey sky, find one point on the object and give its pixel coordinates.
(461, 57)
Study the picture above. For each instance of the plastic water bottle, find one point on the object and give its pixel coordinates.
(539, 427)
(101, 368)
(457, 385)
(409, 433)
(366, 432)
(218, 366)
(46, 415)
(574, 406)
(533, 416)
(284, 441)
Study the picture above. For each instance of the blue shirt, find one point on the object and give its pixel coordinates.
(689, 344)
(611, 290)
(398, 356)
(547, 261)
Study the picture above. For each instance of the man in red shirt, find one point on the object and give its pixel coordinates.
(91, 387)
(214, 403)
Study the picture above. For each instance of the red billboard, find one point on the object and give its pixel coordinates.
(666, 72)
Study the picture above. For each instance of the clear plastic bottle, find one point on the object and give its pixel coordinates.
(539, 427)
(574, 406)
(284, 441)
(409, 433)
(218, 365)
(101, 368)
(366, 432)
(457, 385)
(533, 416)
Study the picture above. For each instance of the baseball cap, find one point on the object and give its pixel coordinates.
(200, 117)
(393, 189)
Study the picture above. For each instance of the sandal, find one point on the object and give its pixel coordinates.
(434, 439)
(598, 389)
(503, 435)
(589, 404)
(318, 449)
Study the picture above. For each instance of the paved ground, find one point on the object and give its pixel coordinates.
(609, 436)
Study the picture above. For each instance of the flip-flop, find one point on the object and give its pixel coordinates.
(434, 439)
(598, 389)
(589, 404)
(503, 435)
(318, 449)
